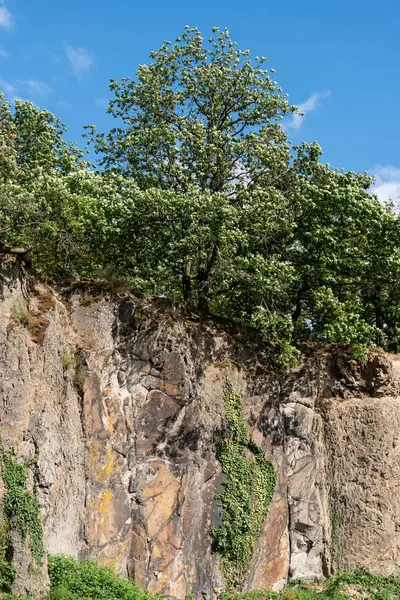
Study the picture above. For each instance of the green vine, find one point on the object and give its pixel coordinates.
(249, 481)
(20, 505)
(7, 572)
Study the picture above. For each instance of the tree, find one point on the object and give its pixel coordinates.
(229, 215)
(345, 253)
(158, 234)
(199, 116)
(200, 196)
(34, 159)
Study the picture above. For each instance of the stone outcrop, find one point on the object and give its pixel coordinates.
(122, 400)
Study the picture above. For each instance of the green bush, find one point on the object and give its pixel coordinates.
(86, 580)
(74, 580)
(14, 597)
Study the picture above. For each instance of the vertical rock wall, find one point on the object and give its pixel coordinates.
(40, 413)
(122, 401)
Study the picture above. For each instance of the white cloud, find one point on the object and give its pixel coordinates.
(310, 105)
(386, 173)
(387, 183)
(3, 53)
(30, 88)
(37, 88)
(7, 88)
(5, 16)
(9, 91)
(80, 59)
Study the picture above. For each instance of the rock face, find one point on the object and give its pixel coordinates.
(122, 401)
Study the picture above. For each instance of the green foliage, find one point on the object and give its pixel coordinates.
(71, 363)
(379, 588)
(68, 359)
(190, 117)
(199, 196)
(357, 584)
(7, 575)
(252, 595)
(79, 580)
(20, 505)
(345, 252)
(248, 484)
(201, 121)
(7, 596)
(74, 580)
(276, 331)
(7, 572)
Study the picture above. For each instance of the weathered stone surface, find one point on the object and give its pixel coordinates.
(127, 469)
(364, 474)
(139, 556)
(272, 553)
(153, 419)
(40, 413)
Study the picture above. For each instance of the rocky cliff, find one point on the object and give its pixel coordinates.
(114, 406)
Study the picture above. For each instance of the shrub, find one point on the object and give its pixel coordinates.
(74, 580)
(71, 363)
(359, 584)
(68, 359)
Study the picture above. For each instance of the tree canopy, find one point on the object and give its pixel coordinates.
(198, 114)
(199, 195)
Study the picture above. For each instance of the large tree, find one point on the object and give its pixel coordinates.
(201, 114)
(227, 212)
(199, 196)
(203, 117)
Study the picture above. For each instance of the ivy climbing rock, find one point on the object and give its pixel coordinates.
(248, 484)
(20, 504)
(21, 525)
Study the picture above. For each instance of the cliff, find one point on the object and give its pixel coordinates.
(115, 407)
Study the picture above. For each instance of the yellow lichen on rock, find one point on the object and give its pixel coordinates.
(102, 463)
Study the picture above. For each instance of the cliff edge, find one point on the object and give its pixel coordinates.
(114, 408)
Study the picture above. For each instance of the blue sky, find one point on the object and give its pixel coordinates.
(338, 60)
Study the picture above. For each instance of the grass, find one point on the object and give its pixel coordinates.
(357, 585)
(20, 313)
(68, 359)
(71, 579)
(71, 363)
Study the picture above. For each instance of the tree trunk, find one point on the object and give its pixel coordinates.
(376, 300)
(203, 290)
(19, 253)
(203, 280)
(187, 284)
